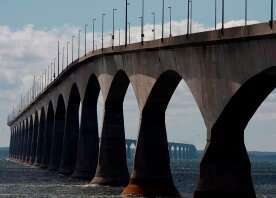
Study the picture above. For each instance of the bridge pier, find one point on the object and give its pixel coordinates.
(41, 131)
(34, 140)
(151, 175)
(47, 137)
(57, 138)
(71, 133)
(22, 147)
(13, 140)
(112, 165)
(29, 143)
(88, 142)
(225, 169)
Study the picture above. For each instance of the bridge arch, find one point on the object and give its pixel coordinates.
(41, 131)
(88, 141)
(70, 138)
(112, 165)
(152, 161)
(58, 134)
(48, 135)
(227, 148)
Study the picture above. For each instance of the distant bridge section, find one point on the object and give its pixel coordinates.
(177, 151)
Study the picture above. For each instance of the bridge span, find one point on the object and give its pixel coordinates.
(229, 73)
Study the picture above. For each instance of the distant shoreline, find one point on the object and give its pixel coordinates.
(253, 155)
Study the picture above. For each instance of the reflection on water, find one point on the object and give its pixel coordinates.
(25, 181)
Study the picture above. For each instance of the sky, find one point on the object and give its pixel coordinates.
(29, 31)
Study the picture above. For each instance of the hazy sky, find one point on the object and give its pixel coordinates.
(29, 31)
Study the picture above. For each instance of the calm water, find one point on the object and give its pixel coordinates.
(25, 181)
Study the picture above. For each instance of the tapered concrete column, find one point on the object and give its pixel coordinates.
(29, 143)
(188, 152)
(56, 148)
(34, 141)
(57, 140)
(112, 165)
(16, 144)
(225, 169)
(152, 175)
(88, 142)
(180, 153)
(26, 141)
(193, 152)
(177, 153)
(11, 142)
(23, 144)
(69, 151)
(41, 131)
(39, 147)
(47, 137)
(71, 133)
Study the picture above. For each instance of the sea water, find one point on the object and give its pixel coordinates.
(17, 180)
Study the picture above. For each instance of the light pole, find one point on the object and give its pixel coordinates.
(85, 31)
(113, 27)
(142, 22)
(40, 82)
(79, 38)
(51, 71)
(170, 11)
(245, 12)
(126, 22)
(163, 18)
(58, 57)
(45, 78)
(119, 36)
(103, 15)
(215, 14)
(188, 18)
(222, 16)
(129, 33)
(272, 13)
(63, 51)
(93, 27)
(54, 68)
(153, 28)
(191, 16)
(73, 48)
(48, 78)
(67, 52)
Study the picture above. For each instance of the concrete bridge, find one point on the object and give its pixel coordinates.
(177, 151)
(229, 73)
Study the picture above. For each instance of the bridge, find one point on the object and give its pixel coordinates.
(177, 151)
(229, 73)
